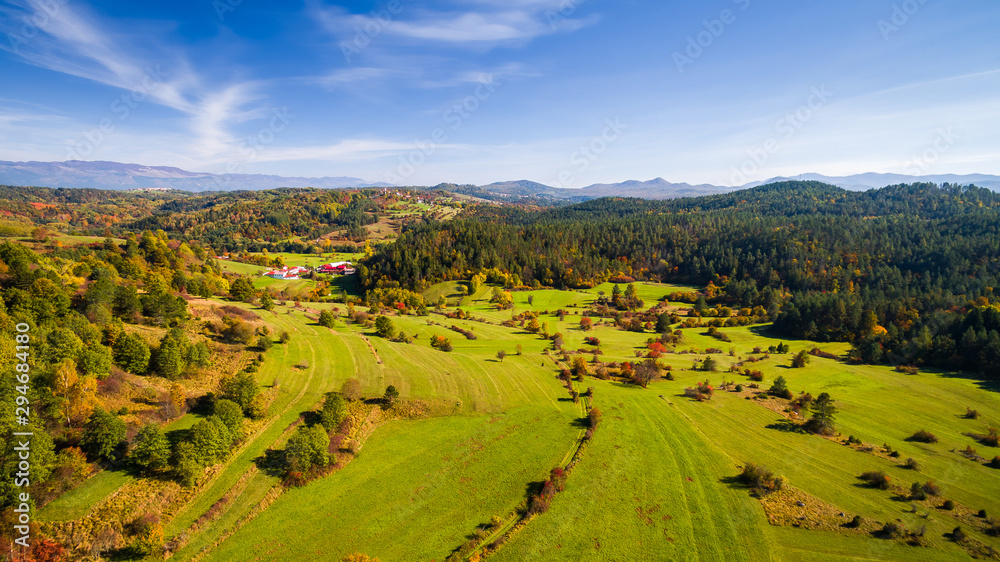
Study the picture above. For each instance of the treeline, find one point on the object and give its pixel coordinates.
(88, 211)
(282, 220)
(257, 220)
(915, 258)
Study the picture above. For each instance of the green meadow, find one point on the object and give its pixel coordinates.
(656, 481)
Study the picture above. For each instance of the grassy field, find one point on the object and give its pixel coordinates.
(241, 268)
(646, 490)
(415, 492)
(75, 503)
(655, 483)
(877, 404)
(300, 389)
(477, 389)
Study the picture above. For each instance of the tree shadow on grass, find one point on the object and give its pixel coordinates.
(271, 463)
(175, 436)
(203, 405)
(123, 554)
(533, 489)
(788, 426)
(984, 383)
(310, 418)
(580, 423)
(734, 482)
(627, 385)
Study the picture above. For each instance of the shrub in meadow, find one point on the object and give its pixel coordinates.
(923, 436)
(876, 479)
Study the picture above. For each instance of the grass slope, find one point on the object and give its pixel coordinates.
(415, 492)
(656, 482)
(646, 489)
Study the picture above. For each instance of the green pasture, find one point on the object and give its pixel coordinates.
(415, 492)
(648, 488)
(655, 483)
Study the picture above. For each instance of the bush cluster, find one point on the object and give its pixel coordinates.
(924, 436)
(817, 352)
(876, 479)
(441, 343)
(760, 479)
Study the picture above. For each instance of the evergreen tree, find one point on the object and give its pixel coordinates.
(780, 388)
(231, 415)
(170, 361)
(801, 359)
(242, 290)
(242, 389)
(102, 434)
(384, 327)
(391, 394)
(132, 354)
(822, 421)
(663, 322)
(266, 301)
(150, 449)
(184, 459)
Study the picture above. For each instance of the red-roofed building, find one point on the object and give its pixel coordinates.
(339, 268)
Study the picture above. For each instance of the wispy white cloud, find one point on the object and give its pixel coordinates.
(483, 28)
(73, 41)
(494, 23)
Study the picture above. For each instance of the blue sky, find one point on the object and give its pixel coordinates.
(563, 92)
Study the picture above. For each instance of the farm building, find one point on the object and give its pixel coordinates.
(339, 268)
(287, 274)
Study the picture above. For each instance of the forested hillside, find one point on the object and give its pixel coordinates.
(907, 272)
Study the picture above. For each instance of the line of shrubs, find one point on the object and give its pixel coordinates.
(469, 334)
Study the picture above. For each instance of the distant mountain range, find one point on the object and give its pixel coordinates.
(863, 182)
(113, 175)
(658, 188)
(662, 189)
